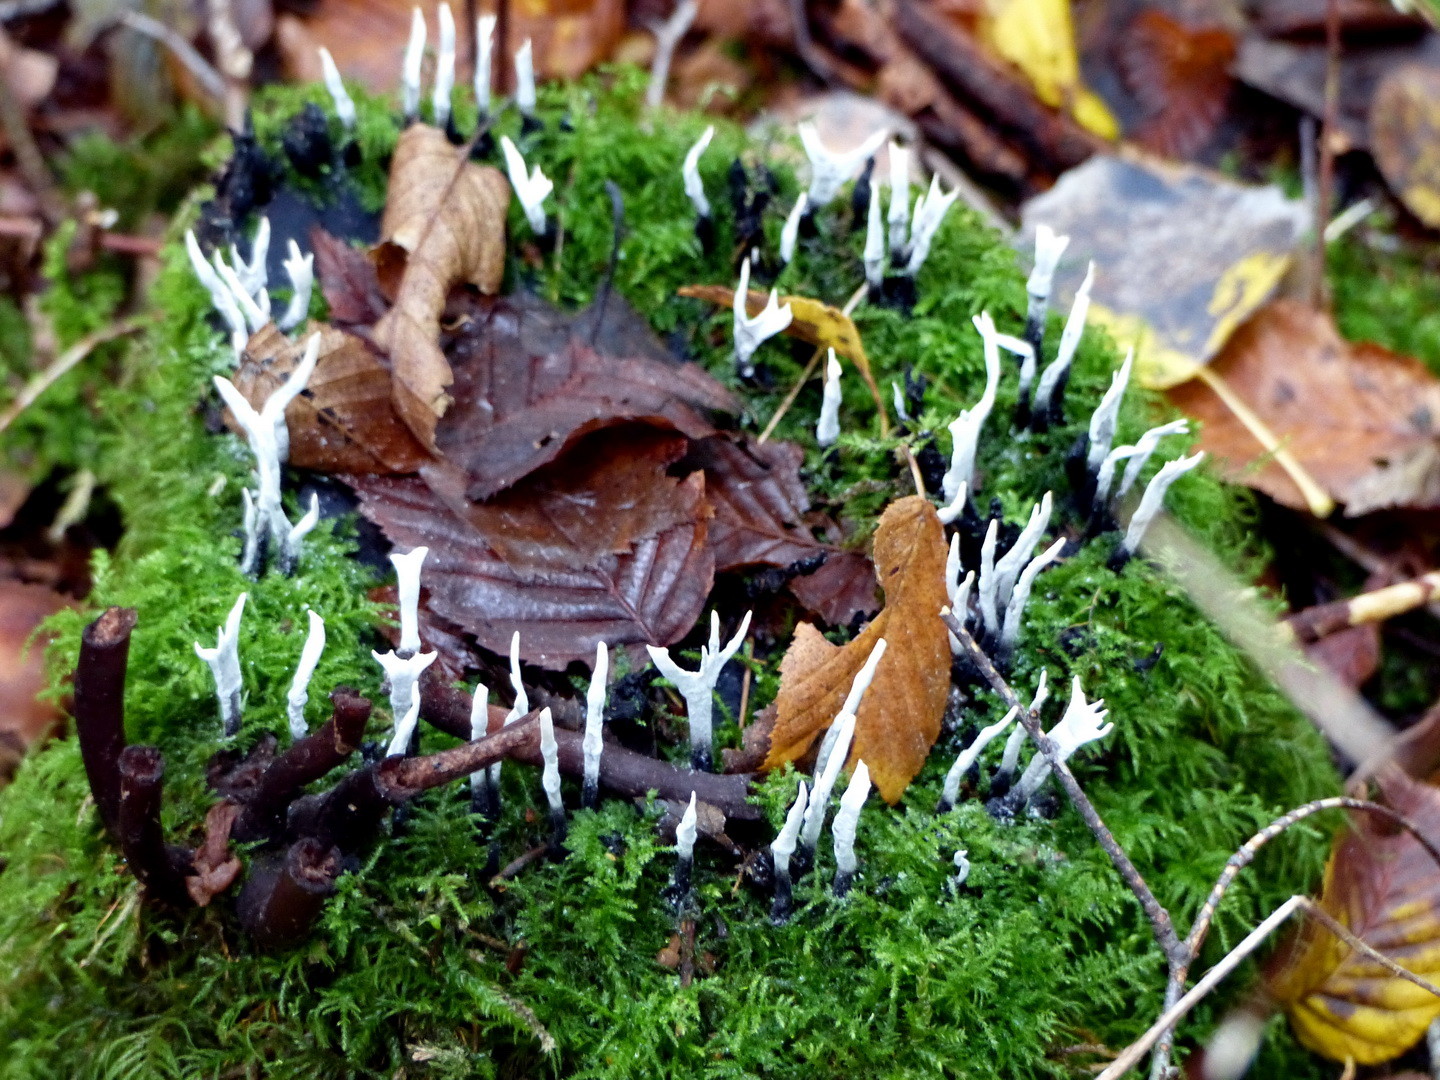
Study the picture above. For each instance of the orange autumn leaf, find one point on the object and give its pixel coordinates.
(899, 717)
(1386, 889)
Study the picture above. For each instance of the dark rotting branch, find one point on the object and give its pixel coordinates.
(100, 707)
(160, 868)
(622, 772)
(307, 760)
(283, 897)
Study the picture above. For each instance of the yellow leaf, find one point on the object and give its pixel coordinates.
(1038, 37)
(817, 323)
(1384, 886)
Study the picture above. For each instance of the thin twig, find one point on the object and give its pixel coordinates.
(1314, 623)
(515, 866)
(31, 162)
(1328, 133)
(668, 35)
(210, 80)
(1160, 921)
(66, 361)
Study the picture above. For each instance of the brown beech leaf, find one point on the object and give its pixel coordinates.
(444, 224)
(216, 868)
(530, 380)
(1405, 137)
(344, 421)
(762, 519)
(812, 321)
(1361, 419)
(347, 278)
(601, 545)
(1386, 889)
(1181, 76)
(899, 717)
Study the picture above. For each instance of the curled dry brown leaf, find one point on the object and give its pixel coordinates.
(899, 717)
(601, 545)
(1386, 888)
(344, 421)
(1361, 419)
(215, 866)
(444, 224)
(1181, 76)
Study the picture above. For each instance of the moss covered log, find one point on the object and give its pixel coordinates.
(415, 968)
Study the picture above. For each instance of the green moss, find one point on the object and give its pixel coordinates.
(1387, 291)
(417, 969)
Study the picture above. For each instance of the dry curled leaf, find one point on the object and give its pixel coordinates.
(1386, 889)
(444, 224)
(344, 421)
(348, 280)
(216, 868)
(1361, 419)
(531, 380)
(601, 545)
(819, 324)
(762, 519)
(899, 717)
(1181, 76)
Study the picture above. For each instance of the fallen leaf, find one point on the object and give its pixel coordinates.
(444, 224)
(601, 545)
(1385, 888)
(1405, 137)
(215, 866)
(345, 420)
(819, 324)
(1182, 255)
(899, 717)
(1181, 76)
(531, 380)
(1038, 37)
(1360, 419)
(1352, 654)
(348, 281)
(762, 518)
(23, 607)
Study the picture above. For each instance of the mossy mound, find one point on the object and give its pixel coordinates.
(417, 970)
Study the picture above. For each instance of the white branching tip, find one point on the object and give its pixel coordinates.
(220, 294)
(1145, 448)
(1008, 567)
(927, 224)
(791, 230)
(260, 434)
(1080, 725)
(407, 577)
(1105, 478)
(404, 729)
(950, 513)
(864, 677)
(952, 567)
(1026, 352)
(844, 727)
(525, 79)
(301, 270)
(685, 833)
(847, 819)
(750, 333)
(594, 741)
(1069, 341)
(829, 170)
(224, 661)
(410, 67)
(784, 844)
(250, 520)
(950, 794)
(294, 385)
(1154, 499)
(299, 693)
(254, 275)
(531, 187)
(690, 173)
(1011, 757)
(698, 687)
(403, 675)
(1102, 421)
(965, 429)
(256, 312)
(989, 591)
(484, 50)
(444, 67)
(827, 429)
(335, 86)
(899, 215)
(668, 35)
(479, 728)
(1048, 249)
(550, 756)
(1021, 595)
(519, 709)
(897, 398)
(962, 868)
(874, 242)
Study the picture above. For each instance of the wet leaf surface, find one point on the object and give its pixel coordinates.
(1181, 76)
(348, 280)
(899, 717)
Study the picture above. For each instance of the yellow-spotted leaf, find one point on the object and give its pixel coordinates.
(1384, 886)
(817, 323)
